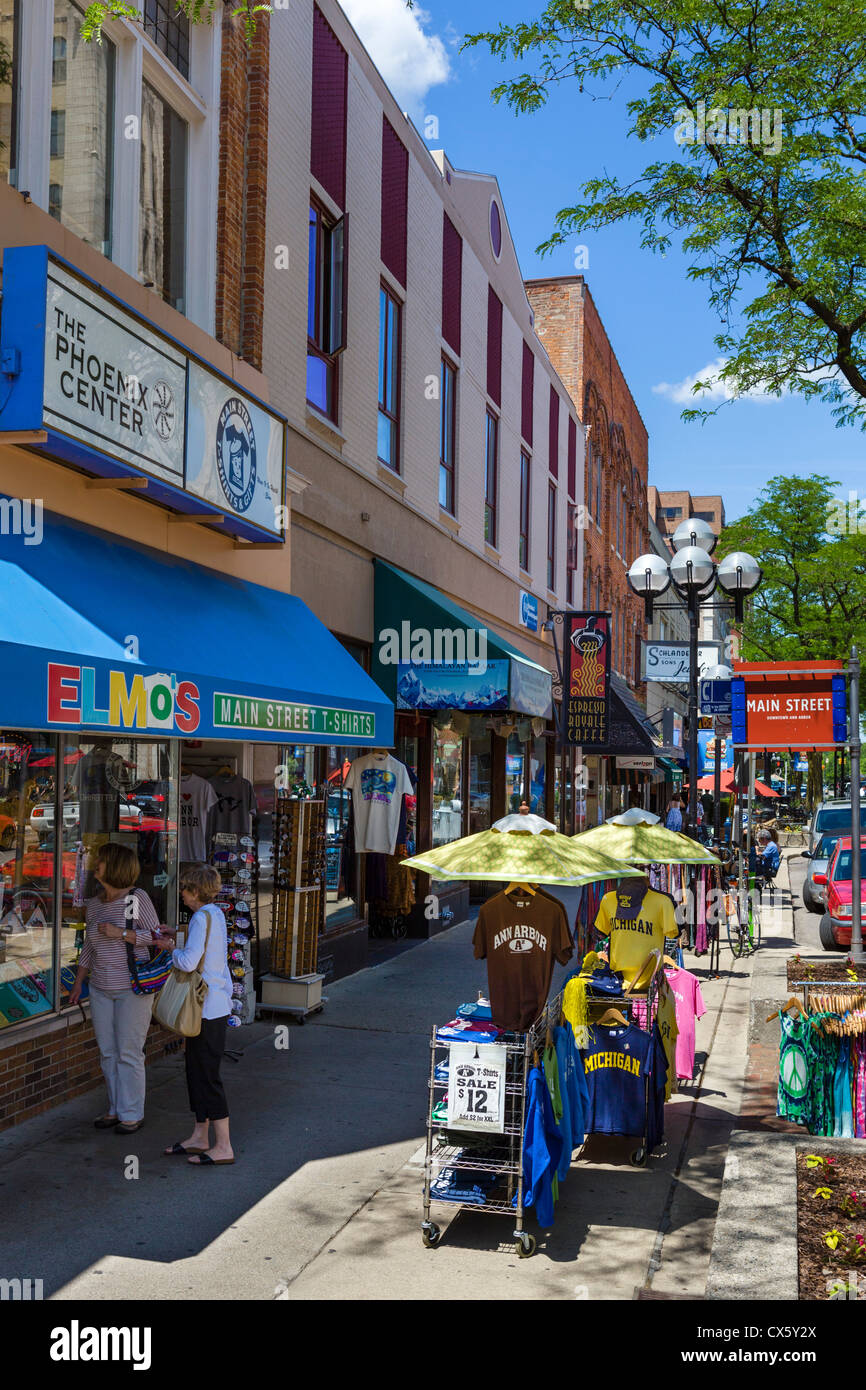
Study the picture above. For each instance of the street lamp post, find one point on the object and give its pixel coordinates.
(694, 576)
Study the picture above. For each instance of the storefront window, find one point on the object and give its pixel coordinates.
(8, 92)
(82, 119)
(515, 762)
(480, 782)
(120, 791)
(447, 786)
(537, 751)
(27, 796)
(341, 863)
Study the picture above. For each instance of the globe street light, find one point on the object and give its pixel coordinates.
(694, 576)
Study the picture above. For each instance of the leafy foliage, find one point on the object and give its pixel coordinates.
(196, 11)
(774, 225)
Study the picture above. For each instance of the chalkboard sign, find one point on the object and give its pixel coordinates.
(333, 856)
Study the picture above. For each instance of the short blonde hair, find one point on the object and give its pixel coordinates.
(122, 867)
(201, 879)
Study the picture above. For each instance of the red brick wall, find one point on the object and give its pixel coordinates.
(569, 325)
(41, 1072)
(241, 246)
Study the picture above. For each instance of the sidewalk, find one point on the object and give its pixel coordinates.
(325, 1198)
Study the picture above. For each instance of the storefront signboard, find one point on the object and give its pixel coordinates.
(715, 697)
(452, 685)
(587, 668)
(250, 715)
(476, 1087)
(670, 661)
(121, 399)
(711, 746)
(637, 762)
(789, 705)
(528, 610)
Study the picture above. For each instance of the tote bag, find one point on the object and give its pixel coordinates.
(179, 1003)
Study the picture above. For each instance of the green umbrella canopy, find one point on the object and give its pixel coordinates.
(641, 843)
(526, 850)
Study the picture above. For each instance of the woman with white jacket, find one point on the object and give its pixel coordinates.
(199, 886)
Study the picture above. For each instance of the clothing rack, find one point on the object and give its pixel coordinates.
(625, 1003)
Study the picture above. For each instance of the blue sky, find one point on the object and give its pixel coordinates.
(659, 324)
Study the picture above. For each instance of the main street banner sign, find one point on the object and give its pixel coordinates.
(790, 704)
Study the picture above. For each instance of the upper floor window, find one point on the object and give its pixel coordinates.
(168, 27)
(672, 512)
(491, 479)
(551, 537)
(525, 480)
(589, 496)
(162, 212)
(9, 48)
(598, 491)
(325, 308)
(448, 438)
(82, 121)
(389, 380)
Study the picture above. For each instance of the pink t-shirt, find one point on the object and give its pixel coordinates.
(690, 1005)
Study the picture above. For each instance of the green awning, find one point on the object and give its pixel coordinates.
(429, 653)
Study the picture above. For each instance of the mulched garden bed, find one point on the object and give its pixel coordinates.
(834, 969)
(838, 1211)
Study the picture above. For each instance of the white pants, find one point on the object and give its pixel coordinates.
(120, 1023)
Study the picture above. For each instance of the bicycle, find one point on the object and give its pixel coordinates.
(745, 936)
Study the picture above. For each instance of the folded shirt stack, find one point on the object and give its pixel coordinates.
(468, 1030)
(463, 1185)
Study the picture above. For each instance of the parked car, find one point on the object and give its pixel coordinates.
(813, 894)
(7, 832)
(832, 816)
(42, 817)
(835, 926)
(151, 797)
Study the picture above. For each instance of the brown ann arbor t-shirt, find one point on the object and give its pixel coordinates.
(520, 937)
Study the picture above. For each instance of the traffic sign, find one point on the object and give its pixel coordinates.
(715, 697)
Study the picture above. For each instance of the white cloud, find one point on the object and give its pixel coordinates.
(681, 392)
(410, 59)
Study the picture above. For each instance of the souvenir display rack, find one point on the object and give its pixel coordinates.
(235, 859)
(502, 1156)
(299, 886)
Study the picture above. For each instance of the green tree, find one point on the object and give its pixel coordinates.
(766, 100)
(196, 11)
(812, 599)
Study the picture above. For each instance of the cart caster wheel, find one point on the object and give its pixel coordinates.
(525, 1246)
(430, 1236)
(637, 1158)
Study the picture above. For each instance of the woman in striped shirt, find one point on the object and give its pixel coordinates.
(121, 914)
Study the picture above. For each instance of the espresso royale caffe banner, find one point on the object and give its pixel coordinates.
(587, 667)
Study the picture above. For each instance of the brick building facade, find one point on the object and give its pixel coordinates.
(614, 518)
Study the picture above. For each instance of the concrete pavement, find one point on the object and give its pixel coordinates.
(325, 1198)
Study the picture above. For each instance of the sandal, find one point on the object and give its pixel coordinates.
(106, 1122)
(128, 1127)
(177, 1149)
(204, 1160)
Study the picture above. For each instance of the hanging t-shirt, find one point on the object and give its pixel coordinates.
(99, 777)
(667, 1020)
(196, 799)
(520, 937)
(796, 1060)
(378, 784)
(690, 1006)
(637, 922)
(235, 806)
(616, 1065)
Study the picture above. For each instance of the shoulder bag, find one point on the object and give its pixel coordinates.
(147, 977)
(179, 1003)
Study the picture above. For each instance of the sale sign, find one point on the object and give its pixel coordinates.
(587, 672)
(476, 1087)
(798, 704)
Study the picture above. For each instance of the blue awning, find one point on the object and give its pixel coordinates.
(100, 634)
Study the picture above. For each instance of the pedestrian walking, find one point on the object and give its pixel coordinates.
(206, 937)
(120, 915)
(674, 816)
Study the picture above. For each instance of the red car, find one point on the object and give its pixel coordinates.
(835, 926)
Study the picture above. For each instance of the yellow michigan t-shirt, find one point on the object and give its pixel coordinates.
(631, 942)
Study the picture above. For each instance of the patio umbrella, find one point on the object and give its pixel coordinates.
(640, 843)
(706, 784)
(520, 848)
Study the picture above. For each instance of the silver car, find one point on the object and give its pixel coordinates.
(812, 892)
(833, 818)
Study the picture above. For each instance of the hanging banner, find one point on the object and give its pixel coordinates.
(476, 1087)
(791, 704)
(587, 670)
(712, 747)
